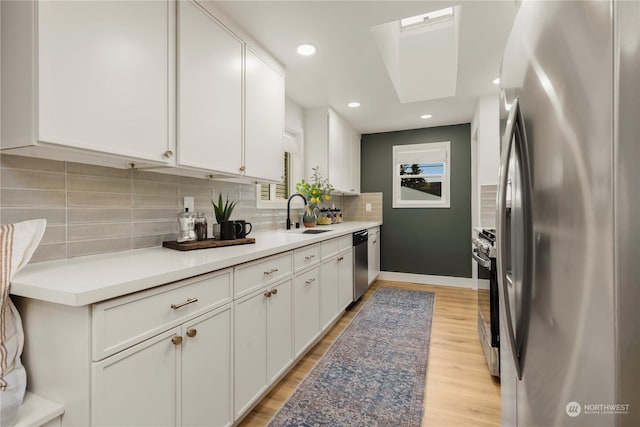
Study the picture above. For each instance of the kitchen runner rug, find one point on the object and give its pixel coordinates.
(374, 374)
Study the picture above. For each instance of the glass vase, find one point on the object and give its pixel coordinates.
(310, 216)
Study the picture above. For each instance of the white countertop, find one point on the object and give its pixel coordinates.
(90, 279)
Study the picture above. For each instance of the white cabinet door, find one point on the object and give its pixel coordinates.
(332, 144)
(279, 330)
(105, 76)
(250, 350)
(336, 151)
(209, 92)
(207, 369)
(345, 279)
(150, 399)
(373, 254)
(264, 119)
(306, 309)
(354, 164)
(329, 288)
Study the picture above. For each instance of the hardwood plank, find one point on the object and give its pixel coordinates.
(460, 391)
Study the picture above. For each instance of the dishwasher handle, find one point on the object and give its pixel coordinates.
(360, 237)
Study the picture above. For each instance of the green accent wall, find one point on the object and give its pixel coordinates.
(433, 241)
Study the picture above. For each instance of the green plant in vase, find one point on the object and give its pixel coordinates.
(317, 190)
(222, 212)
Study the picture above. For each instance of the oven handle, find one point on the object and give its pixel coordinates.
(486, 263)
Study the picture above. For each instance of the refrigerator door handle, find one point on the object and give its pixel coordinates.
(516, 336)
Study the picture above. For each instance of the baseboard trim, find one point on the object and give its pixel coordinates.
(425, 279)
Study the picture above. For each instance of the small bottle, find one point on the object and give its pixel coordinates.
(201, 226)
(185, 226)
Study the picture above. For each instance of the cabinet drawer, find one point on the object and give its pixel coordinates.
(306, 256)
(256, 274)
(345, 242)
(122, 322)
(328, 248)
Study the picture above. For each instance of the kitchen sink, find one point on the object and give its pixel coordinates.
(314, 231)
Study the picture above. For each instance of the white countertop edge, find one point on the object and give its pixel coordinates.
(119, 273)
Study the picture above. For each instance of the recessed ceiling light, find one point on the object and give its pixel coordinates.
(426, 116)
(496, 81)
(354, 104)
(306, 49)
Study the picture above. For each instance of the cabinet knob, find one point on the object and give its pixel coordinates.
(168, 154)
(310, 281)
(242, 168)
(274, 291)
(177, 340)
(268, 294)
(341, 258)
(192, 332)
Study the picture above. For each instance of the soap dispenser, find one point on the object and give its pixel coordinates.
(186, 222)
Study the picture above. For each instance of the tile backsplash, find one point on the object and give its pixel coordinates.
(93, 209)
(355, 207)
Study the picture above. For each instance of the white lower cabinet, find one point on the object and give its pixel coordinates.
(373, 254)
(182, 377)
(345, 279)
(263, 342)
(306, 309)
(336, 287)
(199, 351)
(151, 398)
(329, 290)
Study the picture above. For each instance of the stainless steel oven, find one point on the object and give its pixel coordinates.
(484, 253)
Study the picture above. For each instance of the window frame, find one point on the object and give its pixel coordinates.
(295, 147)
(441, 152)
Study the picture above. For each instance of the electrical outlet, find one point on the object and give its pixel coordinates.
(188, 203)
(367, 207)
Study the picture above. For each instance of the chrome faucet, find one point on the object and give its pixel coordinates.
(289, 208)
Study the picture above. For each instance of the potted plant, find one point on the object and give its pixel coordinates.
(316, 191)
(222, 213)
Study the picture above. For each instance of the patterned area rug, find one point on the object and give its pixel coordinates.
(374, 374)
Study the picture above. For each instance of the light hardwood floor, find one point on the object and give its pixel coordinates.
(460, 391)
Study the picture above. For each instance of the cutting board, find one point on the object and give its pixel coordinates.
(206, 244)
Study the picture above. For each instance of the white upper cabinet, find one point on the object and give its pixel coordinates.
(113, 83)
(88, 77)
(264, 119)
(230, 100)
(334, 145)
(209, 92)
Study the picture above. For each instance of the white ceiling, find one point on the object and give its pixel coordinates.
(348, 66)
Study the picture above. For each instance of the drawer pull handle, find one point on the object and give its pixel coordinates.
(341, 258)
(187, 302)
(308, 257)
(374, 242)
(310, 281)
(192, 332)
(177, 340)
(268, 294)
(274, 291)
(273, 270)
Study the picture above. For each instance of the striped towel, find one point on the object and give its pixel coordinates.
(18, 242)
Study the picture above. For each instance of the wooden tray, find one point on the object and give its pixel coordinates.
(205, 244)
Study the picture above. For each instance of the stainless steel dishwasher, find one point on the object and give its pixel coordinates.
(360, 263)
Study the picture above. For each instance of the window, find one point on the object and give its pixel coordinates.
(274, 196)
(421, 175)
(281, 190)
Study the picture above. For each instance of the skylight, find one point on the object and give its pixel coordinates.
(427, 18)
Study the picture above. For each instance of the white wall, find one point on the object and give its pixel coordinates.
(485, 152)
(293, 116)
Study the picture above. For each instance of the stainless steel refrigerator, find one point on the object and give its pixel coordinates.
(569, 214)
